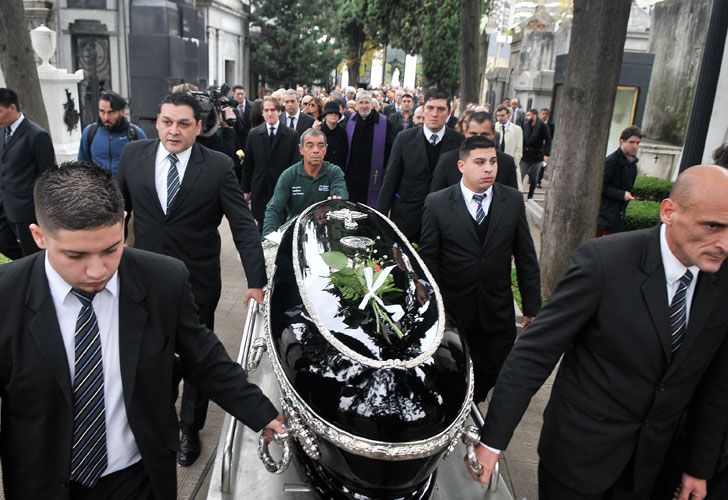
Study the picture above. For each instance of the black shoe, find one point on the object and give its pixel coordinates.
(189, 448)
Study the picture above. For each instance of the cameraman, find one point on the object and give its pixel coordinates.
(218, 122)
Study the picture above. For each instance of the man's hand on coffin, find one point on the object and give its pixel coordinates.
(253, 293)
(276, 425)
(487, 459)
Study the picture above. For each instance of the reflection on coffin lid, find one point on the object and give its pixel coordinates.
(360, 347)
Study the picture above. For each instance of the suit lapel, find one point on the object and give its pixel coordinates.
(194, 167)
(704, 297)
(495, 212)
(418, 146)
(654, 291)
(16, 135)
(44, 329)
(147, 166)
(282, 129)
(132, 321)
(458, 206)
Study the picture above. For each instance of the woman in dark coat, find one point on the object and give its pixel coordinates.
(338, 145)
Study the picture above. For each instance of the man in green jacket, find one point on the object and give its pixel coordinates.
(304, 183)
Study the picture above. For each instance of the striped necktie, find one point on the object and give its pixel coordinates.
(479, 213)
(8, 135)
(433, 139)
(88, 455)
(678, 313)
(172, 179)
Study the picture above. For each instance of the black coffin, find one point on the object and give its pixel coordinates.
(375, 387)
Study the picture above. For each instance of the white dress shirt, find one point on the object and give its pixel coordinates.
(674, 270)
(471, 204)
(161, 169)
(428, 134)
(121, 448)
(14, 126)
(276, 126)
(295, 119)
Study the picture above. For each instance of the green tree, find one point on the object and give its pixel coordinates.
(294, 45)
(347, 26)
(441, 43)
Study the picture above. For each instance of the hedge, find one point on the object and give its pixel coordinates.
(641, 214)
(651, 188)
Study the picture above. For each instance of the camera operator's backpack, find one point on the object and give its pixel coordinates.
(131, 134)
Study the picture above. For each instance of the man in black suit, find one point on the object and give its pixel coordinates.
(545, 115)
(242, 115)
(517, 114)
(88, 339)
(272, 148)
(178, 192)
(447, 172)
(470, 232)
(414, 155)
(26, 151)
(294, 118)
(641, 322)
(620, 172)
(536, 142)
(402, 119)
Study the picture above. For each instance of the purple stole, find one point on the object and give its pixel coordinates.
(376, 168)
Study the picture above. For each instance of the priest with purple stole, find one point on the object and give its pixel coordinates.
(368, 150)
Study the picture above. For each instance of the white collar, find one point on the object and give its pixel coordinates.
(468, 194)
(14, 126)
(183, 157)
(295, 117)
(268, 126)
(428, 133)
(674, 269)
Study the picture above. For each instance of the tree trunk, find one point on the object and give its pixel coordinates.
(598, 33)
(353, 68)
(17, 61)
(469, 51)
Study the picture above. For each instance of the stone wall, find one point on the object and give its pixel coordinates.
(677, 39)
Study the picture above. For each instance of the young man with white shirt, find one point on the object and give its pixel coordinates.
(510, 135)
(414, 155)
(178, 191)
(471, 231)
(295, 119)
(639, 327)
(88, 340)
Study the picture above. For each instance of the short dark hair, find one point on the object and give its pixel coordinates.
(314, 132)
(237, 87)
(546, 109)
(480, 117)
(8, 97)
(502, 108)
(720, 155)
(437, 94)
(184, 99)
(533, 111)
(77, 195)
(407, 94)
(475, 142)
(116, 102)
(629, 132)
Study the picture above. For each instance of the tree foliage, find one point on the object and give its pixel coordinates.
(441, 44)
(294, 45)
(346, 24)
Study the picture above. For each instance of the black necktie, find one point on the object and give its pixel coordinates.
(503, 138)
(271, 136)
(172, 179)
(678, 312)
(88, 455)
(8, 135)
(290, 122)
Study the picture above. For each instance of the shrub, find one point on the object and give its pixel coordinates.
(641, 214)
(651, 188)
(3, 259)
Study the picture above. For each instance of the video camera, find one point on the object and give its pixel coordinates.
(213, 101)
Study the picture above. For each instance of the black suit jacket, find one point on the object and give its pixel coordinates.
(28, 154)
(188, 231)
(446, 171)
(463, 267)
(452, 121)
(618, 395)
(263, 164)
(407, 178)
(157, 318)
(242, 125)
(304, 122)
